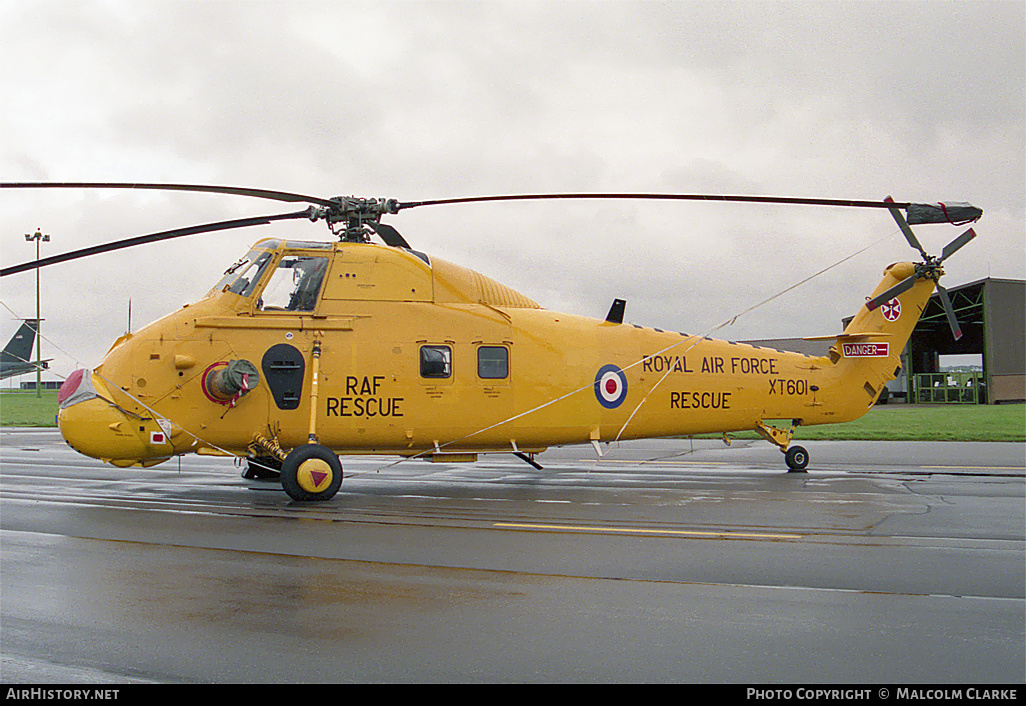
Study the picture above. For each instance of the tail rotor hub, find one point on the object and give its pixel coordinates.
(930, 268)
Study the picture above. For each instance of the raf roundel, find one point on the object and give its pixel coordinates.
(610, 386)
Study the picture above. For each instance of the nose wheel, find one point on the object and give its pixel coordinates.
(311, 472)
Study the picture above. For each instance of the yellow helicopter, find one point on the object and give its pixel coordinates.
(308, 350)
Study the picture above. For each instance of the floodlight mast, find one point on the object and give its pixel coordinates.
(38, 236)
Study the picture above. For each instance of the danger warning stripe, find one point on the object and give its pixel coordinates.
(866, 350)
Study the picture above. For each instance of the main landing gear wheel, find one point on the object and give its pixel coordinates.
(797, 459)
(311, 472)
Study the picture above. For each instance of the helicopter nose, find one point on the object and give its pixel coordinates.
(95, 426)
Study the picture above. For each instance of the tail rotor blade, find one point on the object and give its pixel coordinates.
(903, 225)
(902, 286)
(952, 247)
(956, 330)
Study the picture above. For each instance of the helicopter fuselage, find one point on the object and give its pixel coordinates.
(364, 349)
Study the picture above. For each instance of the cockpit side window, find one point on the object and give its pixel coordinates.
(242, 277)
(247, 280)
(295, 284)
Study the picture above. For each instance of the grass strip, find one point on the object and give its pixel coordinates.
(893, 422)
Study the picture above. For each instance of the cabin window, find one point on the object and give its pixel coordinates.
(295, 284)
(493, 362)
(435, 361)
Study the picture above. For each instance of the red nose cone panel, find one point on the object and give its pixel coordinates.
(78, 387)
(70, 385)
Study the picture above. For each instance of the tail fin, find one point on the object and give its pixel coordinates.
(892, 320)
(19, 348)
(868, 354)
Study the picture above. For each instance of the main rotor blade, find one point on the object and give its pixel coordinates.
(663, 197)
(957, 213)
(952, 247)
(204, 188)
(903, 225)
(902, 286)
(395, 206)
(956, 330)
(151, 238)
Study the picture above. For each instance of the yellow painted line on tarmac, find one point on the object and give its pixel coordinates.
(641, 461)
(630, 530)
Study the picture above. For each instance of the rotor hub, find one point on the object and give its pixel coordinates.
(931, 269)
(349, 216)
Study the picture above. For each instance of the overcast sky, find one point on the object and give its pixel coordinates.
(418, 100)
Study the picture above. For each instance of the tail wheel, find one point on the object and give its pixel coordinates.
(797, 458)
(311, 472)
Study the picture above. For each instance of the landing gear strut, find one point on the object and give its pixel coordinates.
(312, 471)
(797, 457)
